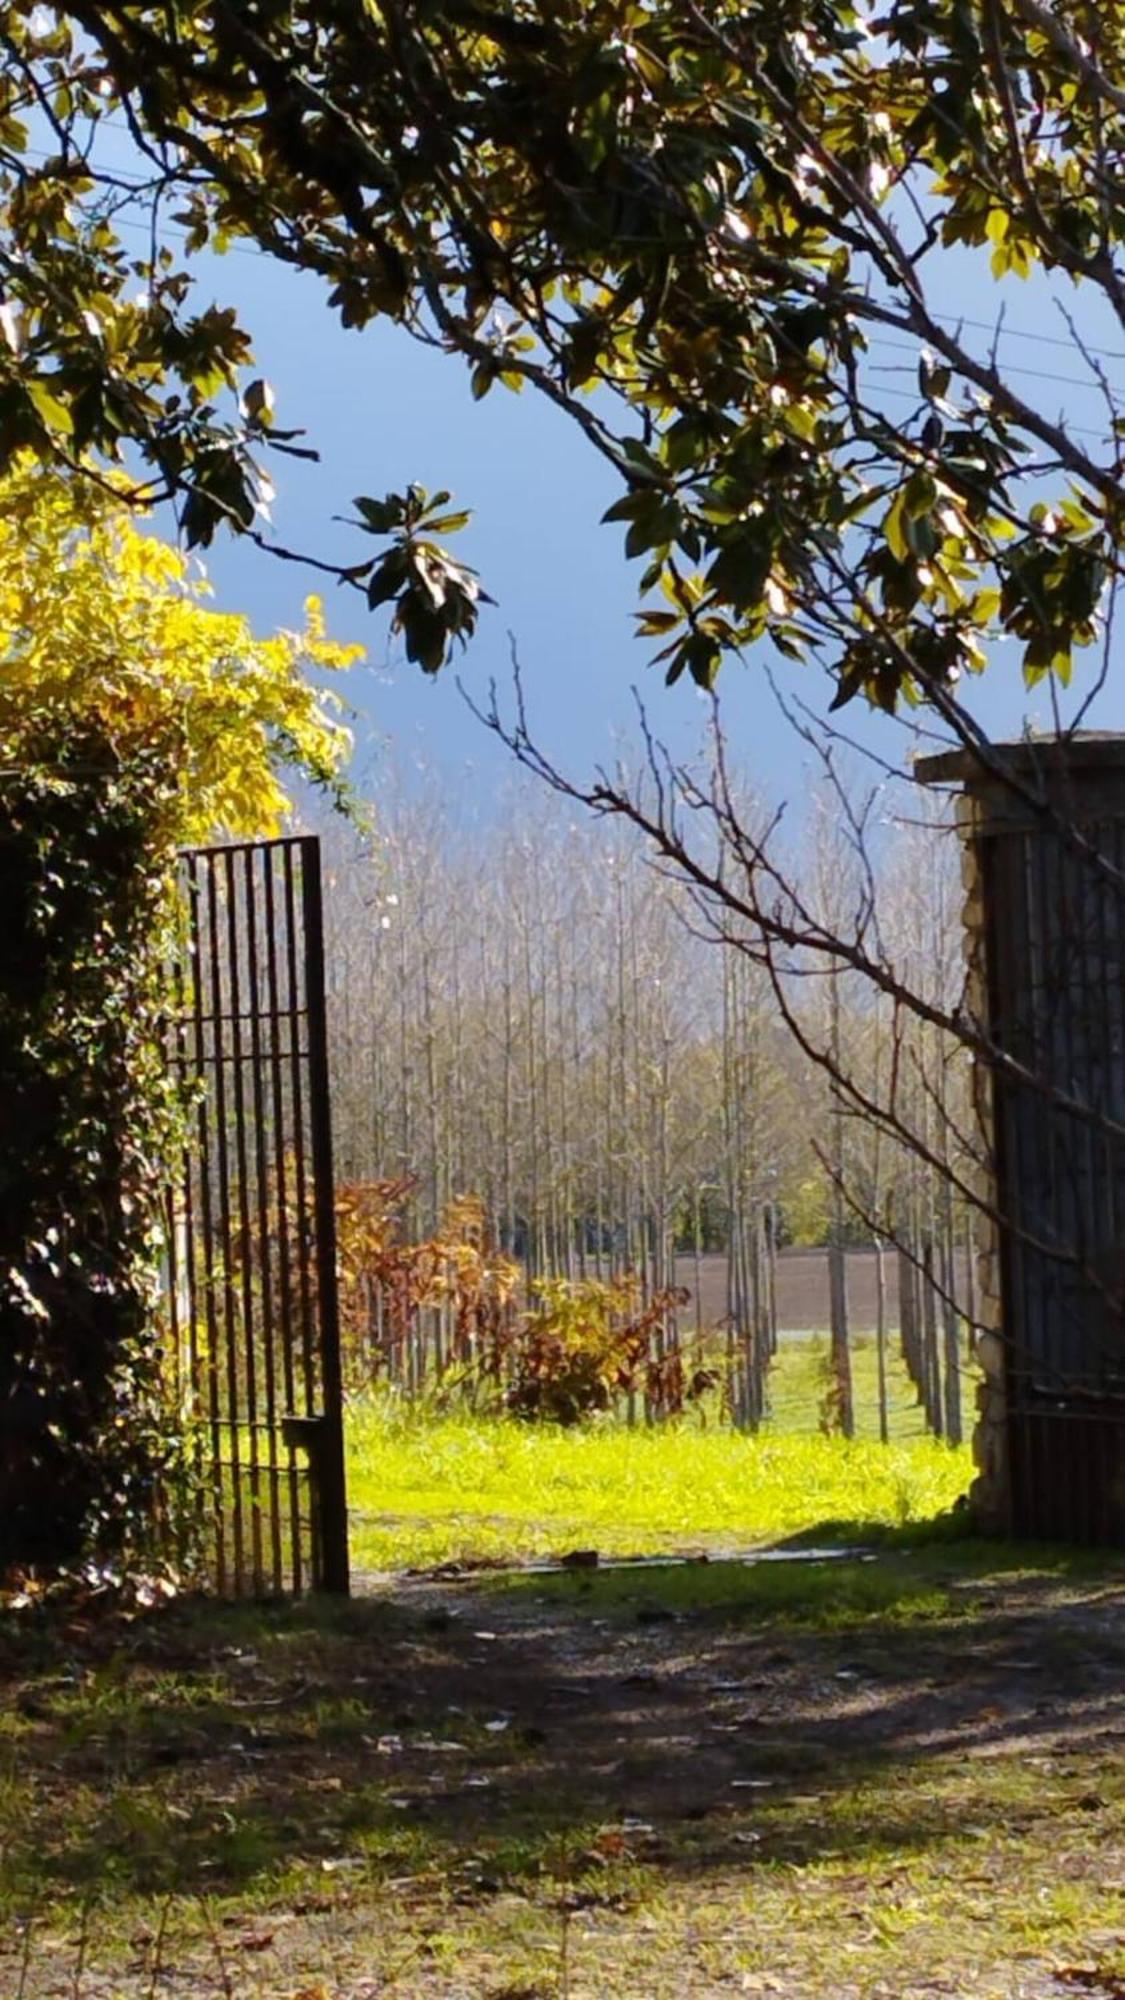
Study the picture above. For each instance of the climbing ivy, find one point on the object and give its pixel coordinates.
(88, 1440)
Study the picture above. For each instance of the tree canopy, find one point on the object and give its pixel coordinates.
(684, 224)
(107, 637)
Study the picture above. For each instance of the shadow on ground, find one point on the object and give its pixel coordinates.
(784, 1712)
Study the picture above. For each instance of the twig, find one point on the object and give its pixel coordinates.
(83, 1941)
(217, 1948)
(25, 1958)
(158, 1945)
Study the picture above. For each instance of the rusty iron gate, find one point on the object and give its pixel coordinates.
(252, 1252)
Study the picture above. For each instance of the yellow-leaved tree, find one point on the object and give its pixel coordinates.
(106, 630)
(134, 718)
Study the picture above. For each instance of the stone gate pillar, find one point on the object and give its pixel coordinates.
(1043, 831)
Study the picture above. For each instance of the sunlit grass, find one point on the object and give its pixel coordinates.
(430, 1489)
(798, 1380)
(426, 1488)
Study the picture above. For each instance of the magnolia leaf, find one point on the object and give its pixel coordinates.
(54, 413)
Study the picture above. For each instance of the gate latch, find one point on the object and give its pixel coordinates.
(303, 1434)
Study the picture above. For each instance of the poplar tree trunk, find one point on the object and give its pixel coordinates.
(881, 1337)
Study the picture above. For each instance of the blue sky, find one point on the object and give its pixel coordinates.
(383, 411)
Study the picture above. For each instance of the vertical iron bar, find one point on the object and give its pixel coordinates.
(300, 1188)
(333, 1495)
(181, 1206)
(1109, 1357)
(174, 1055)
(182, 1328)
(230, 1304)
(299, 1165)
(994, 888)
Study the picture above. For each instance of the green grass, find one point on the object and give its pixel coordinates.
(429, 1489)
(799, 1375)
(852, 1778)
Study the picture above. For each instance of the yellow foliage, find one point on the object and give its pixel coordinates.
(105, 628)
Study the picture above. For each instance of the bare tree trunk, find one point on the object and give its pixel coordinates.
(840, 1348)
(969, 1296)
(837, 1267)
(508, 1086)
(908, 1315)
(931, 1364)
(953, 1426)
(881, 1337)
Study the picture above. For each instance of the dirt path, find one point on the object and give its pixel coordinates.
(903, 1777)
(686, 1702)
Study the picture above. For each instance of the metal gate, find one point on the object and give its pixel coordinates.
(1045, 830)
(252, 1250)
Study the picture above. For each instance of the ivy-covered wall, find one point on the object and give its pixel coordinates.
(86, 1119)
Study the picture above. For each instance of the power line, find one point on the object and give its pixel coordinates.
(908, 395)
(1010, 367)
(876, 340)
(1006, 332)
(1002, 331)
